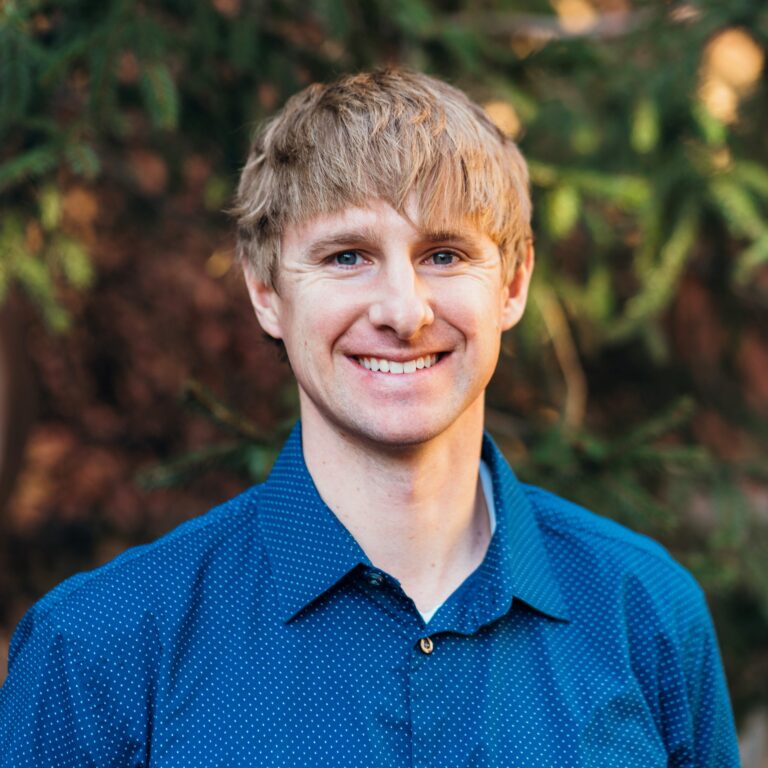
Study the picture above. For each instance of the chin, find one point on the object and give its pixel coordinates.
(398, 432)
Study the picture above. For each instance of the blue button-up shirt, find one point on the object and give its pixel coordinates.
(260, 634)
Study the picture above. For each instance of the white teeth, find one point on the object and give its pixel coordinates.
(393, 366)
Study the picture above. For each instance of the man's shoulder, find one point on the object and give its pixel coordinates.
(608, 551)
(144, 579)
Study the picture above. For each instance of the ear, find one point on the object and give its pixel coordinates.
(266, 302)
(516, 290)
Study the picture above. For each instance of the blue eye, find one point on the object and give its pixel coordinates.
(347, 259)
(443, 258)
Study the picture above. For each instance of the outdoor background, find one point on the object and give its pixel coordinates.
(135, 387)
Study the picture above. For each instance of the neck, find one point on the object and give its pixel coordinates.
(418, 512)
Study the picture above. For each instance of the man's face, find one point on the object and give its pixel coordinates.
(392, 332)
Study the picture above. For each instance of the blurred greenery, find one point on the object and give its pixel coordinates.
(629, 386)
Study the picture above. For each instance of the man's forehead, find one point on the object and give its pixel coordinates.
(371, 222)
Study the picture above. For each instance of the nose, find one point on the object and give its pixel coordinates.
(402, 301)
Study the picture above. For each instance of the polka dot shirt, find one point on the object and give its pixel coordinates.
(261, 635)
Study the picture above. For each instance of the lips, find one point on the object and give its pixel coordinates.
(383, 365)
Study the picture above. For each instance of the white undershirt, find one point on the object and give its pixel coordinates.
(487, 484)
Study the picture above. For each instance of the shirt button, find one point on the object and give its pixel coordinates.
(375, 578)
(426, 645)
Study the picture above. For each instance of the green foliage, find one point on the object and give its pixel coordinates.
(660, 280)
(252, 453)
(618, 475)
(82, 160)
(160, 96)
(645, 126)
(53, 258)
(562, 211)
(39, 161)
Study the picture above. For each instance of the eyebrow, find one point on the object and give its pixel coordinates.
(364, 235)
(339, 240)
(446, 236)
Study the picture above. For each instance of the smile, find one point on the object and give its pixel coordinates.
(393, 366)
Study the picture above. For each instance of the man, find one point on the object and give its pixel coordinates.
(392, 595)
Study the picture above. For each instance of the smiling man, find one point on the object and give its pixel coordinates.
(393, 333)
(392, 595)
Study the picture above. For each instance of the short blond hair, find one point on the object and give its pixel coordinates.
(386, 135)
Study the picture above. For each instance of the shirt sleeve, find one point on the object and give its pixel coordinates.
(698, 720)
(78, 692)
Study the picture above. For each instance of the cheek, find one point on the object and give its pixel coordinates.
(319, 317)
(475, 307)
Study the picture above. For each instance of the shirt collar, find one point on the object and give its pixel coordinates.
(517, 565)
(310, 551)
